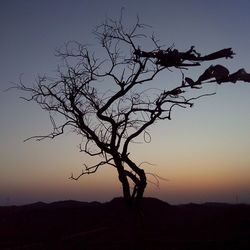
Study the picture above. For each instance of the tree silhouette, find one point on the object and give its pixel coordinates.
(108, 101)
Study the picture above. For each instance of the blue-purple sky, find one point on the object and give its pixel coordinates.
(204, 152)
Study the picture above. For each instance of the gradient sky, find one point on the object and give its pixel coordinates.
(204, 152)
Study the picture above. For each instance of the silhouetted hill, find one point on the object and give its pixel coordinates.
(72, 203)
(111, 225)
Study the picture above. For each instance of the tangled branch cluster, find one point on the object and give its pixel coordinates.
(106, 101)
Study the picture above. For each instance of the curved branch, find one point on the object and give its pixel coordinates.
(90, 169)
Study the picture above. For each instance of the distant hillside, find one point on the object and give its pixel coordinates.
(111, 225)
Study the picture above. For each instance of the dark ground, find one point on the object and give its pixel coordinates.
(79, 225)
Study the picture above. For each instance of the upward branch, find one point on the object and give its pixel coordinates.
(108, 101)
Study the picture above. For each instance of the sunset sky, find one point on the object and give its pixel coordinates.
(203, 152)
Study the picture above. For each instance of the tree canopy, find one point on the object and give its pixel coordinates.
(111, 99)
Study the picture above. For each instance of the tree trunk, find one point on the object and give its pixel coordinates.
(139, 180)
(138, 177)
(125, 187)
(124, 180)
(141, 187)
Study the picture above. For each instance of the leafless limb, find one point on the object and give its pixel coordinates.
(110, 117)
(157, 179)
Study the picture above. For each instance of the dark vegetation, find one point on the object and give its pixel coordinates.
(112, 225)
(112, 100)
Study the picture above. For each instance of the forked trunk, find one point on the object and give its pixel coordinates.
(138, 178)
(135, 199)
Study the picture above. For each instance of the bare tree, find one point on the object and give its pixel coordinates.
(105, 99)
